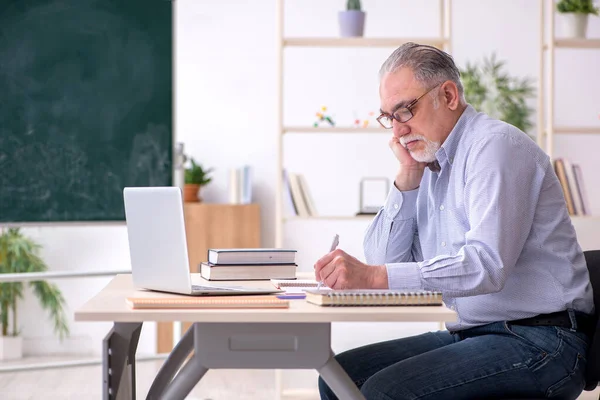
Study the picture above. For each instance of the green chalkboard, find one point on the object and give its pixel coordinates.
(85, 106)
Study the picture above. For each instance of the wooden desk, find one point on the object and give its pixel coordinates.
(298, 338)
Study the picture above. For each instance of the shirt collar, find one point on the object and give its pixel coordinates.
(434, 166)
(446, 152)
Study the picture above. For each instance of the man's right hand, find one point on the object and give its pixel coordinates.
(411, 171)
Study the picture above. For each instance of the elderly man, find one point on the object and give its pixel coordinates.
(477, 213)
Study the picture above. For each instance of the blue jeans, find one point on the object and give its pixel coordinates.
(497, 360)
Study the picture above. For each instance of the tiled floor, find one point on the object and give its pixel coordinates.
(85, 383)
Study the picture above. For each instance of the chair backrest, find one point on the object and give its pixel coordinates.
(592, 372)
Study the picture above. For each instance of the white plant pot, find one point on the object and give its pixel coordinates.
(352, 23)
(11, 347)
(574, 25)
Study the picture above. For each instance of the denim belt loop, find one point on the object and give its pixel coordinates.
(573, 319)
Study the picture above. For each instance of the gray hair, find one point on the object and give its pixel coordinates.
(430, 66)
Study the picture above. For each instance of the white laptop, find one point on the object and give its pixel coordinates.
(158, 247)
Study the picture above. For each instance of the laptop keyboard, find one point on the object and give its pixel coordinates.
(200, 288)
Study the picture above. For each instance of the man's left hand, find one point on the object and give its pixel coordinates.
(339, 270)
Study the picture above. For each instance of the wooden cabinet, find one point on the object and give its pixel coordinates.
(213, 226)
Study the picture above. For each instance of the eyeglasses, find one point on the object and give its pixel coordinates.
(403, 114)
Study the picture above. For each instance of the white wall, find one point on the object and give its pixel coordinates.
(226, 100)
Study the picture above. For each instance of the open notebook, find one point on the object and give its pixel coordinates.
(365, 297)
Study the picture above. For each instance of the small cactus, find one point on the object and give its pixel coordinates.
(353, 5)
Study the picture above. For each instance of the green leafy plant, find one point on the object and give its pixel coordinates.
(576, 6)
(195, 174)
(19, 253)
(353, 5)
(491, 90)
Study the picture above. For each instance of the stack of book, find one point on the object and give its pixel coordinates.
(249, 264)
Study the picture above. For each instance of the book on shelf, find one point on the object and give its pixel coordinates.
(296, 193)
(373, 297)
(572, 187)
(306, 195)
(299, 198)
(240, 185)
(291, 207)
(220, 272)
(571, 181)
(193, 302)
(236, 256)
(581, 190)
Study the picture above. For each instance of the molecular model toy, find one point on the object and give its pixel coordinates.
(363, 123)
(322, 117)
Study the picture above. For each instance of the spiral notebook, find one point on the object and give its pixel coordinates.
(373, 298)
(191, 302)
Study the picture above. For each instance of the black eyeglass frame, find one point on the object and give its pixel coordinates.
(406, 109)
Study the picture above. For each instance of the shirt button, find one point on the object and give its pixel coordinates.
(396, 206)
(442, 207)
(453, 308)
(443, 244)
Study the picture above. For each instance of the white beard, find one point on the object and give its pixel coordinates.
(426, 155)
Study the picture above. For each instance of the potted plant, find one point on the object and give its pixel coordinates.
(491, 90)
(20, 254)
(195, 178)
(574, 15)
(352, 21)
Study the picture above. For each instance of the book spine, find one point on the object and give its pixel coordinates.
(562, 178)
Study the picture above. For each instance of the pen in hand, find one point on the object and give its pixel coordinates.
(334, 244)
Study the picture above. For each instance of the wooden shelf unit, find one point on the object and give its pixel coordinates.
(548, 46)
(546, 91)
(442, 39)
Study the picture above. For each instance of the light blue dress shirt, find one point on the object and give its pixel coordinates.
(490, 230)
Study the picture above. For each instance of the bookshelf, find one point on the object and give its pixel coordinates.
(443, 40)
(549, 49)
(549, 44)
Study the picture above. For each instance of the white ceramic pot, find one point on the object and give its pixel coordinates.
(574, 25)
(352, 23)
(11, 347)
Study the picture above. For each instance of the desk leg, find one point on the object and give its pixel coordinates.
(336, 378)
(172, 365)
(186, 379)
(118, 361)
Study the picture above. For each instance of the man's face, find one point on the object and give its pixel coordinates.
(423, 134)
